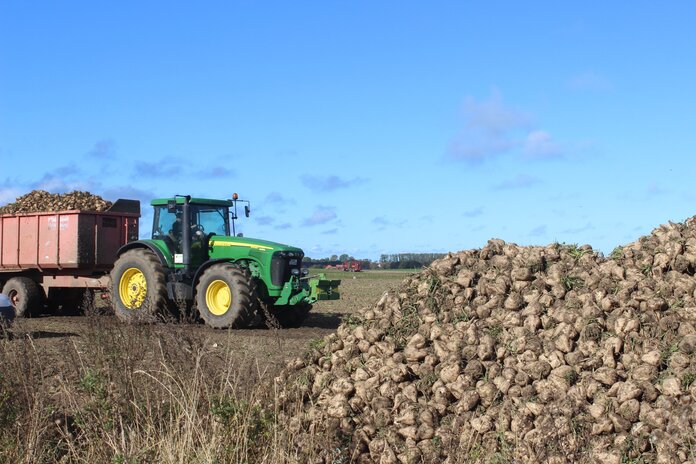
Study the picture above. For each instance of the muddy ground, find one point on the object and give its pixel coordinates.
(259, 352)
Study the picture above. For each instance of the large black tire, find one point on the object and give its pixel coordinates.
(26, 295)
(291, 316)
(226, 297)
(138, 289)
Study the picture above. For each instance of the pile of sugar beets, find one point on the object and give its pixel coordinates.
(41, 200)
(512, 354)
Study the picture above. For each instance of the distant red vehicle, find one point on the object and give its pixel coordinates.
(351, 266)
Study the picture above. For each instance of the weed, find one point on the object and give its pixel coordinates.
(503, 454)
(317, 344)
(352, 321)
(575, 252)
(616, 253)
(688, 379)
(425, 383)
(433, 297)
(512, 348)
(403, 328)
(572, 282)
(666, 353)
(437, 442)
(495, 331)
(577, 425)
(93, 384)
(571, 377)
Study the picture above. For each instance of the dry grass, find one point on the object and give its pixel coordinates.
(132, 394)
(106, 392)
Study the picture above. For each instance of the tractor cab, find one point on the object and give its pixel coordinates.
(187, 226)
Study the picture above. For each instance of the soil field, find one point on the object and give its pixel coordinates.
(91, 389)
(259, 351)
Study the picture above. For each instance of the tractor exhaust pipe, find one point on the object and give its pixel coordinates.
(186, 234)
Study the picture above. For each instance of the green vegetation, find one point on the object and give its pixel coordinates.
(616, 253)
(571, 282)
(575, 252)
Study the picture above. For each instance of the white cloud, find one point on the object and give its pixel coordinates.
(265, 220)
(654, 190)
(493, 116)
(540, 144)
(329, 183)
(8, 195)
(538, 231)
(521, 181)
(103, 149)
(321, 215)
(473, 212)
(576, 230)
(490, 129)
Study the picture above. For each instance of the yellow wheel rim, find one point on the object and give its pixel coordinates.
(218, 297)
(132, 288)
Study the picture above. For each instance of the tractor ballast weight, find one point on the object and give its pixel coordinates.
(193, 259)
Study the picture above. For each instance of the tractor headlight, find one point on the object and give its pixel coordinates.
(305, 271)
(295, 272)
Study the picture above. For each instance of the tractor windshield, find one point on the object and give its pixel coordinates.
(205, 218)
(211, 219)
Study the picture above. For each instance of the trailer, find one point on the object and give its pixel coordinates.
(49, 259)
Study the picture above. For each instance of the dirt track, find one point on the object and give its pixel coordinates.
(261, 351)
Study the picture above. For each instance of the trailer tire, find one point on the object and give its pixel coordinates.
(226, 297)
(26, 295)
(138, 288)
(291, 316)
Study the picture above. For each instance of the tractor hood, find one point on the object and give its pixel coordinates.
(221, 241)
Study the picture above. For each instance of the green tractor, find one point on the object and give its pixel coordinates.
(192, 260)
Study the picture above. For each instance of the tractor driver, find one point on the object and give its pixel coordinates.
(176, 231)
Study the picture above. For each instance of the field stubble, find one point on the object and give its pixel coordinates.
(88, 389)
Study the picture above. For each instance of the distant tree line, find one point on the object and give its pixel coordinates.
(408, 260)
(386, 261)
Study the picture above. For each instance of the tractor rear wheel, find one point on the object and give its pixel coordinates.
(26, 295)
(226, 296)
(291, 316)
(138, 289)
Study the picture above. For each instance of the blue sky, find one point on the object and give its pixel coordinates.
(362, 127)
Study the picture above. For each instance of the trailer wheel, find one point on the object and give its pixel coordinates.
(226, 297)
(291, 316)
(26, 295)
(138, 289)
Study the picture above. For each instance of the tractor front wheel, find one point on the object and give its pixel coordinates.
(226, 296)
(138, 289)
(26, 295)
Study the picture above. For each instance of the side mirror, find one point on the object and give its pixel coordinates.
(247, 210)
